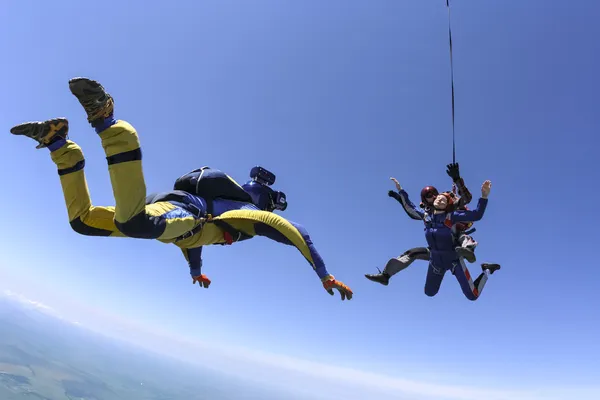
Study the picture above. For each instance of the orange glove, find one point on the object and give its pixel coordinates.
(329, 283)
(202, 280)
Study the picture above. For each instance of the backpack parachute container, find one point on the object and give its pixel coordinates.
(210, 183)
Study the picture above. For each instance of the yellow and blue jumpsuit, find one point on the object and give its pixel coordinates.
(171, 217)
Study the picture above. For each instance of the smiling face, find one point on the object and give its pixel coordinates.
(440, 202)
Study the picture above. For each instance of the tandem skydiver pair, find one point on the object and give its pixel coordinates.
(448, 227)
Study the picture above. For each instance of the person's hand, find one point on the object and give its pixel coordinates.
(330, 283)
(398, 187)
(394, 194)
(453, 171)
(202, 280)
(485, 189)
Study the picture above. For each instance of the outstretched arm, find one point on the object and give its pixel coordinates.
(319, 264)
(463, 192)
(465, 196)
(476, 214)
(402, 197)
(470, 215)
(317, 261)
(275, 227)
(329, 281)
(411, 210)
(194, 259)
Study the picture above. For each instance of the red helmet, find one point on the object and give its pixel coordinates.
(428, 192)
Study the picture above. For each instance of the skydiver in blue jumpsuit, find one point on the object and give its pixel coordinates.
(441, 242)
(439, 225)
(465, 242)
(225, 212)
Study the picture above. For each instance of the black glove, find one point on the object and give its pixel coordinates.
(453, 172)
(394, 194)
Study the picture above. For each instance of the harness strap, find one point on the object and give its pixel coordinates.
(197, 228)
(230, 234)
(191, 233)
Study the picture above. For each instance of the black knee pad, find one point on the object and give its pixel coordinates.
(142, 226)
(80, 227)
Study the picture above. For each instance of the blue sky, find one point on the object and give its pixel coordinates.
(334, 97)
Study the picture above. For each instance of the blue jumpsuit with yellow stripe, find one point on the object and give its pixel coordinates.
(170, 217)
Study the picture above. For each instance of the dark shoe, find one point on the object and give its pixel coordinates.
(97, 103)
(381, 277)
(492, 267)
(43, 132)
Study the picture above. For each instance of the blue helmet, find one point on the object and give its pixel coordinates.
(262, 195)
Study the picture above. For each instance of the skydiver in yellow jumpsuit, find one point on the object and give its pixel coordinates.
(185, 219)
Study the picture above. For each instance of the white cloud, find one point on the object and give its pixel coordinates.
(329, 381)
(37, 306)
(316, 380)
(31, 303)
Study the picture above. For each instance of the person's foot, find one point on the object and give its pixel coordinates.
(98, 104)
(466, 253)
(492, 267)
(43, 132)
(381, 277)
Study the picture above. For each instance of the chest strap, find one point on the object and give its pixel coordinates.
(230, 234)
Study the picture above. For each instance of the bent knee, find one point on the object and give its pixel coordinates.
(142, 226)
(79, 226)
(471, 296)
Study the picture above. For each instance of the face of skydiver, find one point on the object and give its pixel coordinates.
(440, 203)
(444, 202)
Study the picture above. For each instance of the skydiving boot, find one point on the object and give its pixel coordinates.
(46, 133)
(381, 277)
(486, 267)
(97, 103)
(491, 267)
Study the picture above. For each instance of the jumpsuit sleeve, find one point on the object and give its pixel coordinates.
(408, 206)
(463, 192)
(470, 215)
(194, 259)
(319, 264)
(317, 261)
